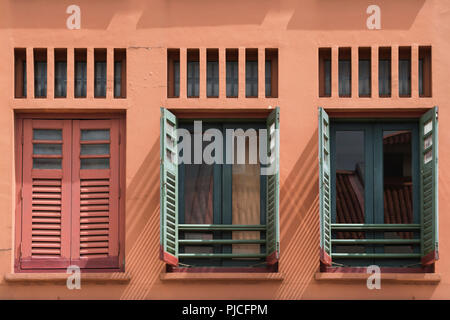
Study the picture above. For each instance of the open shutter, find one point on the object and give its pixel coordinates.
(273, 187)
(324, 187)
(168, 189)
(429, 185)
(95, 194)
(45, 222)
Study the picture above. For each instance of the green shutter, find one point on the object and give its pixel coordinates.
(429, 185)
(273, 187)
(324, 187)
(168, 188)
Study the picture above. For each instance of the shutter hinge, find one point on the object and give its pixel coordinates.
(22, 138)
(120, 192)
(21, 193)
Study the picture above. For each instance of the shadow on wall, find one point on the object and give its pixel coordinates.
(351, 15)
(142, 228)
(299, 223)
(302, 15)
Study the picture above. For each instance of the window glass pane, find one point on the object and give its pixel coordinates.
(364, 77)
(251, 78)
(117, 79)
(40, 79)
(100, 79)
(193, 79)
(404, 75)
(95, 149)
(44, 148)
(246, 195)
(232, 79)
(384, 77)
(420, 76)
(176, 78)
(43, 163)
(47, 134)
(268, 78)
(60, 78)
(102, 163)
(212, 81)
(397, 186)
(24, 72)
(327, 68)
(94, 134)
(345, 76)
(80, 78)
(350, 186)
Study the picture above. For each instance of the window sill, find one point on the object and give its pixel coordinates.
(208, 276)
(399, 278)
(61, 278)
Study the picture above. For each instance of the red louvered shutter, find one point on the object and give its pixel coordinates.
(45, 233)
(95, 194)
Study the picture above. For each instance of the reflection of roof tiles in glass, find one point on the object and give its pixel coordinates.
(397, 196)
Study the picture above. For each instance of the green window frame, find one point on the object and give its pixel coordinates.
(424, 227)
(173, 226)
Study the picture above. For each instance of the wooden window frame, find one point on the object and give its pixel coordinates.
(226, 116)
(421, 116)
(18, 135)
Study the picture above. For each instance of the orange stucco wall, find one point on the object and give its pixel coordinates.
(297, 29)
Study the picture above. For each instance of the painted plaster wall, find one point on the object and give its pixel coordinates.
(297, 29)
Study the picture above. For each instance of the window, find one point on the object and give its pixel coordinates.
(120, 73)
(364, 72)
(212, 73)
(60, 73)
(219, 214)
(378, 192)
(232, 66)
(70, 179)
(173, 73)
(384, 72)
(425, 71)
(80, 73)
(404, 72)
(251, 73)
(324, 72)
(20, 73)
(193, 73)
(40, 73)
(100, 73)
(345, 72)
(271, 81)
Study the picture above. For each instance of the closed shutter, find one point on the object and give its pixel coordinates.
(45, 233)
(273, 187)
(95, 194)
(324, 187)
(168, 189)
(429, 186)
